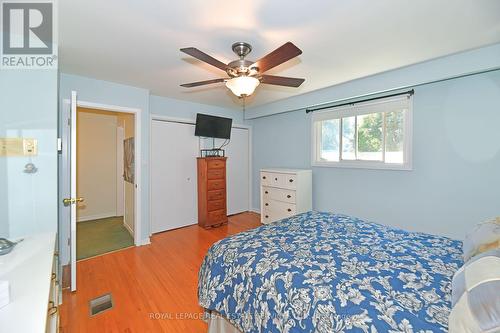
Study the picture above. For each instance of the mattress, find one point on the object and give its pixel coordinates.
(326, 272)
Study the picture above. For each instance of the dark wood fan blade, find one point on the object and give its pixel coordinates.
(282, 54)
(201, 83)
(194, 52)
(281, 80)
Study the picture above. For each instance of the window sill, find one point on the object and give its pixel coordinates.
(363, 165)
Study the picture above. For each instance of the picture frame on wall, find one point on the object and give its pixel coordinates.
(129, 160)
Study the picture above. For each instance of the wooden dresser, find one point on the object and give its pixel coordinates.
(284, 193)
(212, 207)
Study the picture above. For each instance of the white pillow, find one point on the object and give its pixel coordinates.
(476, 295)
(485, 236)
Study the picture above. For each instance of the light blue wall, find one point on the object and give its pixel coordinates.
(455, 181)
(96, 91)
(28, 108)
(455, 65)
(104, 92)
(169, 107)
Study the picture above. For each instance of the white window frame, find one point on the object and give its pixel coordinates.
(361, 109)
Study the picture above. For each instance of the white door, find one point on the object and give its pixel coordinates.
(238, 173)
(174, 149)
(73, 199)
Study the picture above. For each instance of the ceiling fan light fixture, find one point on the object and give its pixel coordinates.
(242, 85)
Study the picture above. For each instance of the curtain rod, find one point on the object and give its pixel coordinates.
(409, 92)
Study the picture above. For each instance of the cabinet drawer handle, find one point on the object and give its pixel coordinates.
(290, 180)
(52, 311)
(263, 177)
(267, 204)
(266, 192)
(267, 216)
(288, 196)
(289, 209)
(276, 179)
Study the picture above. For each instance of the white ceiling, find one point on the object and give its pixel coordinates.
(137, 42)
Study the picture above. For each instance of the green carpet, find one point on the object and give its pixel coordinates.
(101, 236)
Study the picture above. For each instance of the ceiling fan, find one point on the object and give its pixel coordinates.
(245, 75)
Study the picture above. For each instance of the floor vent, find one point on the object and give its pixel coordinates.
(100, 304)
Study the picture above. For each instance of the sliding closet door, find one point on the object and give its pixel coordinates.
(238, 172)
(174, 149)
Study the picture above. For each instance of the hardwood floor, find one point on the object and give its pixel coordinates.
(154, 287)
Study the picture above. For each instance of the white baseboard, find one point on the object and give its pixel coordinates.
(131, 232)
(255, 210)
(95, 217)
(145, 241)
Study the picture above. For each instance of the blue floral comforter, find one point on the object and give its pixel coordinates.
(322, 272)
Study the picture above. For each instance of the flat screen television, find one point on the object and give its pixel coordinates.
(213, 127)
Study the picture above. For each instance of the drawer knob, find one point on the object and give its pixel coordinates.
(267, 216)
(267, 204)
(276, 179)
(266, 192)
(288, 196)
(290, 180)
(263, 177)
(289, 209)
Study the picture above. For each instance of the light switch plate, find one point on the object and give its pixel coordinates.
(18, 147)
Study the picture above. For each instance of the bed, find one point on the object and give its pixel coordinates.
(324, 272)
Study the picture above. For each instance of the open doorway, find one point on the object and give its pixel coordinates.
(105, 180)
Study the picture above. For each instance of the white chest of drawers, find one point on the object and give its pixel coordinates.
(284, 193)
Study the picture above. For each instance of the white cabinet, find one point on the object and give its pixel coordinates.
(284, 193)
(31, 269)
(52, 325)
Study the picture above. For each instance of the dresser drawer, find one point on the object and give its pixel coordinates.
(280, 208)
(216, 184)
(267, 217)
(279, 194)
(269, 178)
(215, 164)
(278, 179)
(216, 205)
(216, 195)
(276, 210)
(217, 216)
(288, 181)
(217, 173)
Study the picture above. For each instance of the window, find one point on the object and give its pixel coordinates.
(373, 135)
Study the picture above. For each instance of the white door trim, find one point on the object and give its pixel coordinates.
(155, 117)
(120, 183)
(73, 194)
(138, 157)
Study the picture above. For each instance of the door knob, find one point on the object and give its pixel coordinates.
(72, 201)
